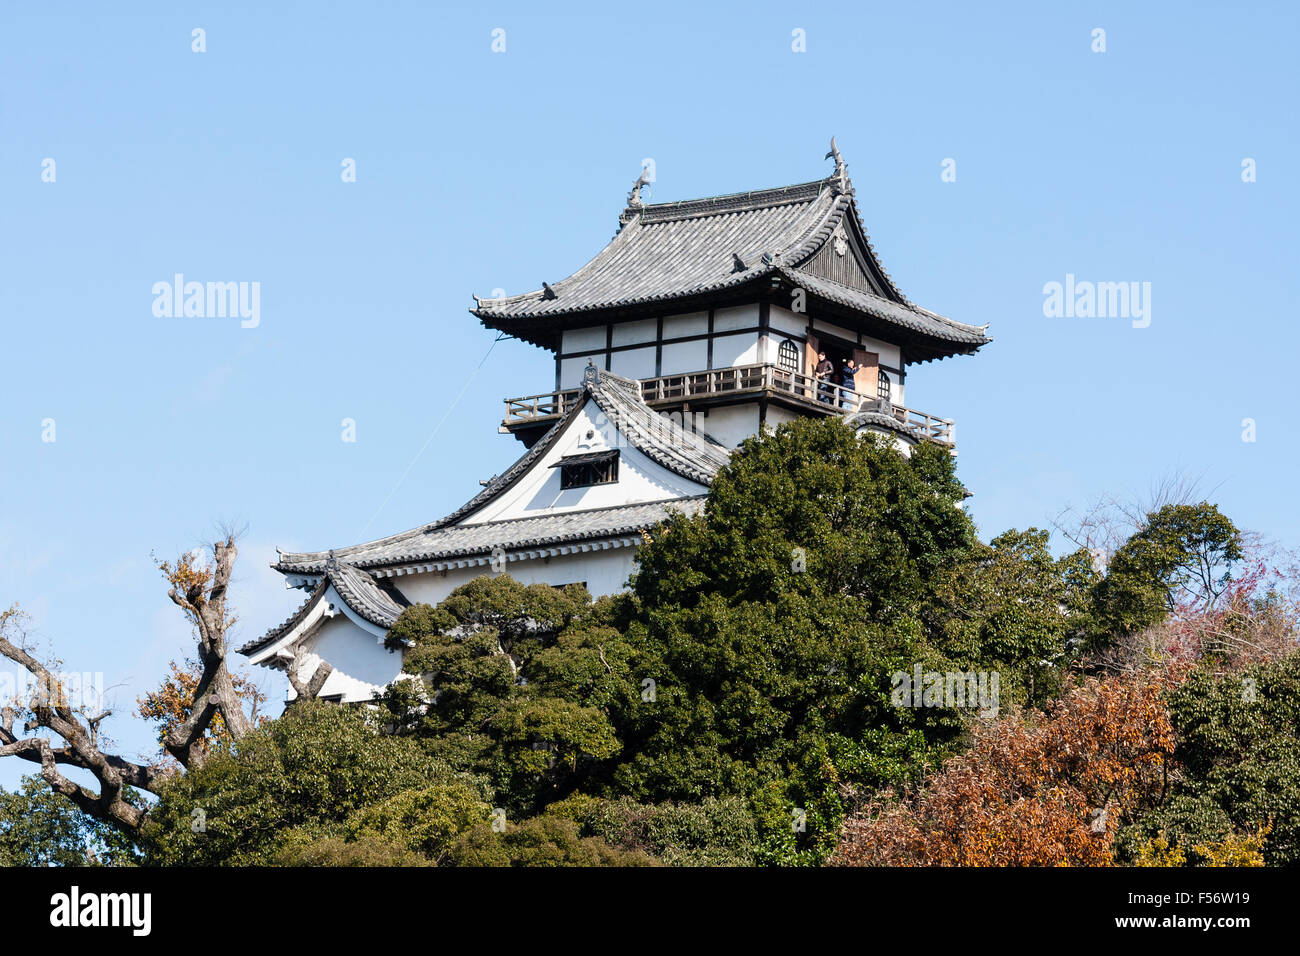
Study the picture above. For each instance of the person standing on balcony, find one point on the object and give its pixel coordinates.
(825, 372)
(849, 384)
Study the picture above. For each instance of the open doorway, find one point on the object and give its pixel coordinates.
(837, 354)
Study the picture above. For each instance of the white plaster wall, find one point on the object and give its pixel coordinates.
(837, 330)
(688, 323)
(571, 369)
(634, 363)
(729, 350)
(784, 320)
(603, 572)
(685, 357)
(888, 353)
(777, 416)
(732, 424)
(362, 665)
(538, 492)
(630, 333)
(580, 340)
(737, 317)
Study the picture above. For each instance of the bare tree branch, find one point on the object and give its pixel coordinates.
(200, 591)
(292, 660)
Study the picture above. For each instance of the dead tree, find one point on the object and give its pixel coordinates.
(59, 733)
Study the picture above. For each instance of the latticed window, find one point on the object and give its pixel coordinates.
(594, 468)
(787, 356)
(882, 385)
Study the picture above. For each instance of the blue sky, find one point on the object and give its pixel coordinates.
(479, 170)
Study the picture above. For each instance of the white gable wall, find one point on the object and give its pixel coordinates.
(640, 479)
(361, 662)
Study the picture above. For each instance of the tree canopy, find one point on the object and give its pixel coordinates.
(827, 663)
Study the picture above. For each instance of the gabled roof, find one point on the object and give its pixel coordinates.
(377, 602)
(370, 595)
(443, 545)
(687, 453)
(296, 618)
(666, 252)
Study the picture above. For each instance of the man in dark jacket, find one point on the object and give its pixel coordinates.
(825, 373)
(848, 383)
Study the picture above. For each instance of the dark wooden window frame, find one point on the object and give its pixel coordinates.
(584, 471)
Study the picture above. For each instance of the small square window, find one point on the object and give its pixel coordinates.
(580, 471)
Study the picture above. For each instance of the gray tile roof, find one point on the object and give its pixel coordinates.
(671, 250)
(376, 602)
(680, 250)
(909, 317)
(687, 453)
(691, 454)
(433, 544)
(296, 618)
(887, 422)
(379, 603)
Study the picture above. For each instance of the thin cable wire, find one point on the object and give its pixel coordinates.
(445, 415)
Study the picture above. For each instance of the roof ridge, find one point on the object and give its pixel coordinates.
(655, 214)
(627, 505)
(732, 202)
(557, 522)
(630, 414)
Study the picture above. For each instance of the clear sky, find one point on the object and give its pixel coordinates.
(478, 170)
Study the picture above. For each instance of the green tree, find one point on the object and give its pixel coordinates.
(513, 682)
(308, 770)
(1010, 606)
(424, 821)
(771, 625)
(714, 832)
(1238, 758)
(540, 841)
(754, 658)
(41, 828)
(1182, 556)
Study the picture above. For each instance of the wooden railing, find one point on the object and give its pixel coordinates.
(667, 389)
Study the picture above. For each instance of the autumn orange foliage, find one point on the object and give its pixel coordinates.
(173, 701)
(1046, 791)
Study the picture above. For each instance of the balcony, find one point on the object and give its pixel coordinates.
(533, 413)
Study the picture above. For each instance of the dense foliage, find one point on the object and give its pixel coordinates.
(42, 828)
(308, 771)
(751, 666)
(826, 664)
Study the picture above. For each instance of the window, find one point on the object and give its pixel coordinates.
(787, 356)
(596, 468)
(882, 385)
